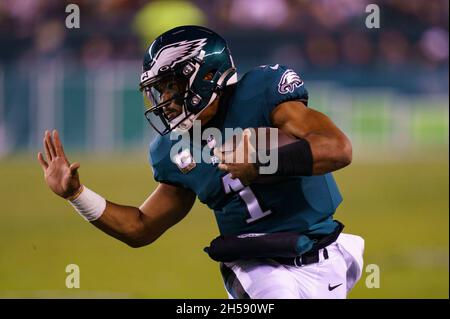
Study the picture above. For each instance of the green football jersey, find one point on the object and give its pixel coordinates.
(305, 204)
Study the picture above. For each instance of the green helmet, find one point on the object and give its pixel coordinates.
(193, 64)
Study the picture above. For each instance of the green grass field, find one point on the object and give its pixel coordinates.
(399, 207)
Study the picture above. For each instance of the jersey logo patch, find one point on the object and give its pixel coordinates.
(252, 235)
(185, 161)
(289, 81)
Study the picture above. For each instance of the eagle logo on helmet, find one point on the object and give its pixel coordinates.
(170, 55)
(289, 81)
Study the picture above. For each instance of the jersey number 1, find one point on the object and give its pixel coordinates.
(247, 195)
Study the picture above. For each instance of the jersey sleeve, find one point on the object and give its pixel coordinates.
(283, 84)
(160, 164)
(154, 160)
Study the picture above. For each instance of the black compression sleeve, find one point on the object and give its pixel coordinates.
(294, 159)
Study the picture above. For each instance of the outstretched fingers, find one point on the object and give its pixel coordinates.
(58, 145)
(48, 154)
(50, 145)
(42, 161)
(74, 168)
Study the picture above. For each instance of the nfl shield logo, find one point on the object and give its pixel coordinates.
(184, 161)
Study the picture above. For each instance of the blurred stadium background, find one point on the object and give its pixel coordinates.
(387, 88)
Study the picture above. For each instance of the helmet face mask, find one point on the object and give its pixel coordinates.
(175, 84)
(164, 98)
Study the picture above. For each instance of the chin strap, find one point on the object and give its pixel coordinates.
(186, 125)
(227, 78)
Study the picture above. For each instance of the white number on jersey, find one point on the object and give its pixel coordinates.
(247, 195)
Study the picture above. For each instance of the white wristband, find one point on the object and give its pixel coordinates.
(88, 204)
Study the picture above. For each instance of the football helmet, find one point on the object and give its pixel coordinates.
(184, 70)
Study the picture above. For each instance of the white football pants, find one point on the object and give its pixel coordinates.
(330, 278)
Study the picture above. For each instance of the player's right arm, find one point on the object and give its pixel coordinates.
(137, 227)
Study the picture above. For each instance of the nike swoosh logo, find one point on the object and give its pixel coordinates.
(330, 288)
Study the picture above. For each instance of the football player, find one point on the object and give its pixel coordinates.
(277, 239)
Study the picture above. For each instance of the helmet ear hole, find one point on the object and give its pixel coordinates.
(210, 75)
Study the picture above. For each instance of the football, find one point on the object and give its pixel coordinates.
(268, 138)
(264, 141)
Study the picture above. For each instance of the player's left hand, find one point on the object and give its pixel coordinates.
(237, 161)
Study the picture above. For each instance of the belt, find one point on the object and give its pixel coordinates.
(313, 256)
(302, 260)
